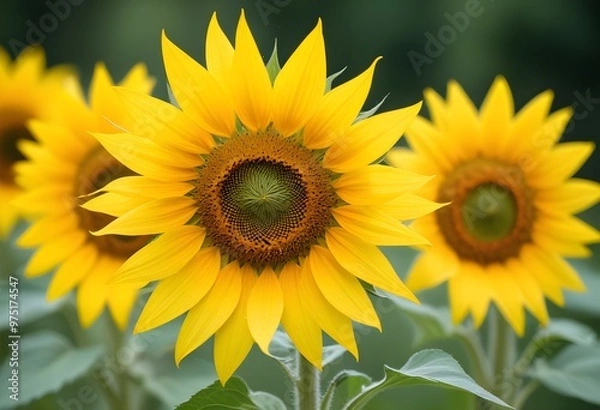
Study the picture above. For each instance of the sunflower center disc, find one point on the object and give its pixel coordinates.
(263, 199)
(9, 152)
(491, 215)
(97, 170)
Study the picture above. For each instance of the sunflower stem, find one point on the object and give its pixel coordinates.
(308, 385)
(502, 349)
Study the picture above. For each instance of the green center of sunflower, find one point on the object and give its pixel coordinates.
(492, 212)
(263, 199)
(9, 152)
(489, 212)
(96, 170)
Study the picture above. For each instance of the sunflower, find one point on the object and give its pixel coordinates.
(266, 199)
(65, 164)
(510, 223)
(27, 91)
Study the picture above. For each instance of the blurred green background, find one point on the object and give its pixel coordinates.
(536, 44)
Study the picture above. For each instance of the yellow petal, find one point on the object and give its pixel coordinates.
(197, 91)
(233, 340)
(528, 122)
(497, 111)
(559, 164)
(437, 108)
(154, 217)
(368, 140)
(35, 201)
(464, 125)
(100, 91)
(120, 300)
(573, 196)
(298, 323)
(562, 246)
(425, 139)
(300, 84)
(478, 286)
(374, 227)
(459, 298)
(406, 158)
(508, 297)
(72, 271)
(337, 110)
(431, 269)
(137, 79)
(567, 228)
(219, 51)
(178, 293)
(265, 307)
(47, 228)
(375, 184)
(409, 206)
(340, 288)
(151, 188)
(561, 270)
(147, 158)
(532, 294)
(204, 319)
(59, 140)
(162, 257)
(332, 321)
(53, 252)
(114, 204)
(92, 293)
(545, 137)
(250, 86)
(548, 283)
(163, 123)
(365, 261)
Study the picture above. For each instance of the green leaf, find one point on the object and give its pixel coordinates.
(331, 78)
(343, 387)
(47, 361)
(428, 367)
(233, 396)
(587, 302)
(332, 353)
(170, 384)
(282, 349)
(559, 330)
(431, 323)
(574, 372)
(366, 114)
(266, 401)
(273, 66)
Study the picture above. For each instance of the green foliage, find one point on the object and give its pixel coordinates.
(427, 367)
(574, 372)
(234, 396)
(273, 66)
(343, 387)
(46, 362)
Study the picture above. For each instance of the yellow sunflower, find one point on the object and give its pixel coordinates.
(266, 196)
(64, 165)
(511, 222)
(27, 91)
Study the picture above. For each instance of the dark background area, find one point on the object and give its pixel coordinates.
(536, 44)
